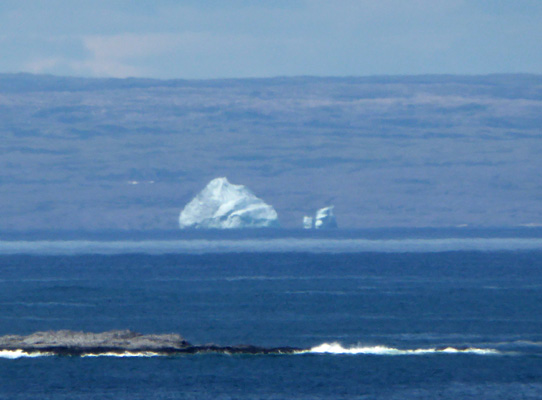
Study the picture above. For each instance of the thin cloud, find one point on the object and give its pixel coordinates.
(43, 65)
(104, 68)
(195, 54)
(212, 39)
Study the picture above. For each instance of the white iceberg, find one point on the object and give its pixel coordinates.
(308, 222)
(325, 218)
(222, 205)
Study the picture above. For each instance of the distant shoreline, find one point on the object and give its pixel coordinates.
(270, 233)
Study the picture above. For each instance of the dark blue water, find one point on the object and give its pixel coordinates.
(399, 302)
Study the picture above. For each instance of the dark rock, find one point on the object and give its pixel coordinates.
(70, 343)
(113, 340)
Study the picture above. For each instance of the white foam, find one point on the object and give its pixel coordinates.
(325, 348)
(201, 246)
(14, 354)
(125, 354)
(337, 348)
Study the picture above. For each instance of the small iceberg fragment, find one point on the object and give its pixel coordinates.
(308, 222)
(324, 219)
(222, 205)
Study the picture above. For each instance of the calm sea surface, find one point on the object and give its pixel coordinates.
(462, 324)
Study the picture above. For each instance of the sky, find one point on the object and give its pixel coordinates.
(201, 39)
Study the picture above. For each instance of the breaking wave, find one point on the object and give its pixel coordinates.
(322, 349)
(337, 348)
(14, 354)
(125, 354)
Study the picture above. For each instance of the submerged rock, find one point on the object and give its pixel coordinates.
(222, 205)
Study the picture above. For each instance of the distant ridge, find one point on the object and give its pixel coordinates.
(27, 82)
(87, 154)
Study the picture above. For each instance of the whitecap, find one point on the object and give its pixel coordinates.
(124, 354)
(14, 354)
(337, 348)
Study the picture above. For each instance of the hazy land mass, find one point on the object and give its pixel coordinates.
(128, 154)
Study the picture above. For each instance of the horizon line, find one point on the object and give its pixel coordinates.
(276, 77)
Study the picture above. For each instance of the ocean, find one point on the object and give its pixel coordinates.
(399, 318)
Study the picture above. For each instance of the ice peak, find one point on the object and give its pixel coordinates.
(223, 205)
(219, 183)
(325, 218)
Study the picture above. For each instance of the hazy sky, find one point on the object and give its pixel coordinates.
(242, 38)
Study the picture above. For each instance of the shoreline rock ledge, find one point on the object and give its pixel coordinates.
(65, 341)
(72, 343)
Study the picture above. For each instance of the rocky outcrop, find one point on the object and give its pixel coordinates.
(70, 343)
(64, 340)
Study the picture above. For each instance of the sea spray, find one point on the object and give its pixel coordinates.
(337, 348)
(15, 354)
